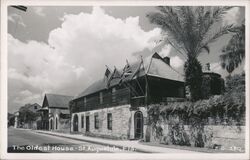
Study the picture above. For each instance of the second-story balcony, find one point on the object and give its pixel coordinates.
(103, 100)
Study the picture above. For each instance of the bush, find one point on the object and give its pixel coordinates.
(226, 109)
(178, 135)
(235, 83)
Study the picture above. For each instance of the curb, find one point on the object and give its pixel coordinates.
(96, 142)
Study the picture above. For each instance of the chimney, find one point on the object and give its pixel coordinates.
(207, 67)
(167, 60)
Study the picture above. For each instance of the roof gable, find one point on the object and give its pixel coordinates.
(153, 65)
(55, 100)
(159, 68)
(45, 102)
(31, 107)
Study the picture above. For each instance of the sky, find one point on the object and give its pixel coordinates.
(62, 50)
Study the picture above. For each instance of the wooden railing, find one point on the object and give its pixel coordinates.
(137, 101)
(119, 97)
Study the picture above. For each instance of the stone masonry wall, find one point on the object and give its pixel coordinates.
(63, 125)
(121, 122)
(226, 137)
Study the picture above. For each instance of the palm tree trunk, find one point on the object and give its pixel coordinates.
(193, 77)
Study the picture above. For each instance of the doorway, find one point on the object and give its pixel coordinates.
(51, 124)
(87, 123)
(75, 123)
(138, 122)
(56, 123)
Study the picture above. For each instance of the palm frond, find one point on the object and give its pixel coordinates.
(189, 27)
(188, 22)
(218, 12)
(215, 36)
(206, 48)
(199, 22)
(169, 22)
(230, 61)
(211, 17)
(234, 51)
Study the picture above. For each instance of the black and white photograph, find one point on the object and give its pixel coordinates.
(138, 80)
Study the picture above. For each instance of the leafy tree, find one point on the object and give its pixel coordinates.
(26, 116)
(189, 30)
(234, 51)
(236, 83)
(11, 119)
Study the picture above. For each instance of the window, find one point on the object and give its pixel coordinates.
(109, 121)
(82, 121)
(113, 95)
(85, 101)
(96, 122)
(56, 123)
(101, 98)
(35, 107)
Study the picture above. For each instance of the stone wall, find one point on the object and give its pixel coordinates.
(228, 136)
(30, 125)
(223, 137)
(63, 125)
(121, 122)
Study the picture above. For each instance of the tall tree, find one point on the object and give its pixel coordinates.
(190, 30)
(234, 52)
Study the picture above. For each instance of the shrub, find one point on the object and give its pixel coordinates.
(226, 109)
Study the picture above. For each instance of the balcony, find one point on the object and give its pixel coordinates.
(105, 100)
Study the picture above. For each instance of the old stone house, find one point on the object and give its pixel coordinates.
(116, 105)
(55, 112)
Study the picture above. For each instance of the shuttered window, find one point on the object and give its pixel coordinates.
(96, 122)
(82, 120)
(109, 121)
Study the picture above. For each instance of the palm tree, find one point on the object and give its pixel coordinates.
(190, 30)
(234, 52)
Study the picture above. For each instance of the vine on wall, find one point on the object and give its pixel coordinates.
(226, 109)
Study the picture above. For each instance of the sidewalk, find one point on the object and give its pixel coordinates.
(117, 143)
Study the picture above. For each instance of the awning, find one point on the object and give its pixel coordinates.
(64, 111)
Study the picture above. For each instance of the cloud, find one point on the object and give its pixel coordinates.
(15, 18)
(166, 50)
(232, 16)
(216, 67)
(26, 93)
(176, 62)
(75, 56)
(39, 11)
(27, 99)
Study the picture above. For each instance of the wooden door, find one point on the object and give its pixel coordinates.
(138, 122)
(87, 123)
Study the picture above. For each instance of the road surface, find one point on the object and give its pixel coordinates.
(28, 141)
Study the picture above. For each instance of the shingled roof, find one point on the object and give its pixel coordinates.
(153, 65)
(55, 100)
(30, 107)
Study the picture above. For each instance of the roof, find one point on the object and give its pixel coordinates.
(43, 109)
(55, 100)
(30, 107)
(159, 68)
(153, 65)
(65, 111)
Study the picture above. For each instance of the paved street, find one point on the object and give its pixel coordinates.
(26, 141)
